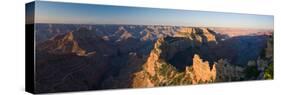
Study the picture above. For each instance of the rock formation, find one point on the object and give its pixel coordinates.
(201, 70)
(228, 72)
(199, 35)
(62, 45)
(157, 71)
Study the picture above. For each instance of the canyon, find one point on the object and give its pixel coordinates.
(72, 57)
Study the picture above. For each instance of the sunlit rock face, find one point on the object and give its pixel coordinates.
(201, 70)
(157, 71)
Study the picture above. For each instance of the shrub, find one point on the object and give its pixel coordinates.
(268, 73)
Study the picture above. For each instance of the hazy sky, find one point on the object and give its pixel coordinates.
(52, 12)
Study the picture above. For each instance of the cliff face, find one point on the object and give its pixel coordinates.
(227, 71)
(158, 71)
(147, 36)
(201, 70)
(64, 44)
(198, 35)
(262, 67)
(161, 73)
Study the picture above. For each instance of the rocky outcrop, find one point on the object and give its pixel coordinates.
(124, 36)
(198, 35)
(157, 71)
(262, 67)
(80, 42)
(228, 72)
(161, 73)
(147, 37)
(201, 70)
(62, 44)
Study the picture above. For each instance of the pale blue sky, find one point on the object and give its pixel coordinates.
(53, 12)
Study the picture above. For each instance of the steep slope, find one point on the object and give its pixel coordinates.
(200, 35)
(147, 37)
(45, 32)
(122, 34)
(190, 41)
(63, 44)
(91, 42)
(228, 72)
(158, 71)
(80, 42)
(177, 60)
(69, 72)
(62, 64)
(261, 68)
(161, 73)
(201, 70)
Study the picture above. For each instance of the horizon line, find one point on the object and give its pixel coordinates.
(156, 25)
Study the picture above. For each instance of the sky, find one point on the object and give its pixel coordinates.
(73, 13)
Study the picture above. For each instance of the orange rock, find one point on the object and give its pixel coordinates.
(201, 70)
